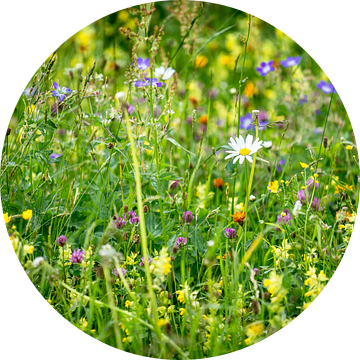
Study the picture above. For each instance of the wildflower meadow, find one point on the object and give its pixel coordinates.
(179, 180)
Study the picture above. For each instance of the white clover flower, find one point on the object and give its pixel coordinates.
(252, 198)
(37, 261)
(121, 96)
(164, 74)
(297, 208)
(243, 148)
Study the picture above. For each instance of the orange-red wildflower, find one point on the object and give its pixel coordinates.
(219, 183)
(239, 217)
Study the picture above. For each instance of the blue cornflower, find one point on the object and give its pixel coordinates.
(143, 64)
(147, 82)
(54, 156)
(265, 68)
(303, 100)
(60, 92)
(290, 61)
(326, 88)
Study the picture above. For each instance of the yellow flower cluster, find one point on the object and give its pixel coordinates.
(253, 331)
(275, 288)
(161, 266)
(315, 282)
(281, 252)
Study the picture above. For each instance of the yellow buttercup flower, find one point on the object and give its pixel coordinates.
(303, 165)
(349, 147)
(27, 215)
(273, 186)
(7, 218)
(127, 303)
(201, 61)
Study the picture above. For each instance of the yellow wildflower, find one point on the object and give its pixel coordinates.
(201, 61)
(273, 187)
(349, 147)
(27, 215)
(303, 165)
(7, 218)
(28, 249)
(182, 311)
(127, 303)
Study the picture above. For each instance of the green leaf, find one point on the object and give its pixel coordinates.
(178, 145)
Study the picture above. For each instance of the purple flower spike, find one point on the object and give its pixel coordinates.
(130, 109)
(326, 88)
(134, 220)
(301, 195)
(316, 205)
(265, 68)
(290, 61)
(143, 64)
(230, 233)
(77, 256)
(120, 222)
(286, 219)
(180, 242)
(188, 217)
(60, 92)
(142, 262)
(116, 272)
(61, 240)
(54, 156)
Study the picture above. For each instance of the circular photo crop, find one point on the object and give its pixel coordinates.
(179, 180)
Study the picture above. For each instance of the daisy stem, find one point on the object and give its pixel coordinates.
(239, 104)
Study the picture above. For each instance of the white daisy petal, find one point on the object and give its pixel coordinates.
(233, 144)
(236, 159)
(242, 158)
(230, 156)
(240, 142)
(248, 142)
(249, 158)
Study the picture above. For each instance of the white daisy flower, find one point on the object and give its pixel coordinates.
(243, 148)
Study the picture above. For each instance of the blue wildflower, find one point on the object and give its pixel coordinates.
(265, 68)
(290, 61)
(326, 88)
(143, 64)
(147, 82)
(60, 92)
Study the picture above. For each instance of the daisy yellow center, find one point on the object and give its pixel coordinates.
(244, 151)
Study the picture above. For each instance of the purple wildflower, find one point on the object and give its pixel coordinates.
(147, 82)
(230, 233)
(175, 184)
(188, 217)
(180, 242)
(279, 166)
(316, 205)
(61, 240)
(77, 256)
(265, 68)
(290, 61)
(120, 222)
(134, 220)
(60, 92)
(54, 156)
(326, 88)
(286, 219)
(310, 183)
(303, 100)
(143, 64)
(116, 272)
(301, 195)
(318, 112)
(256, 271)
(246, 121)
(317, 130)
(130, 109)
(142, 262)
